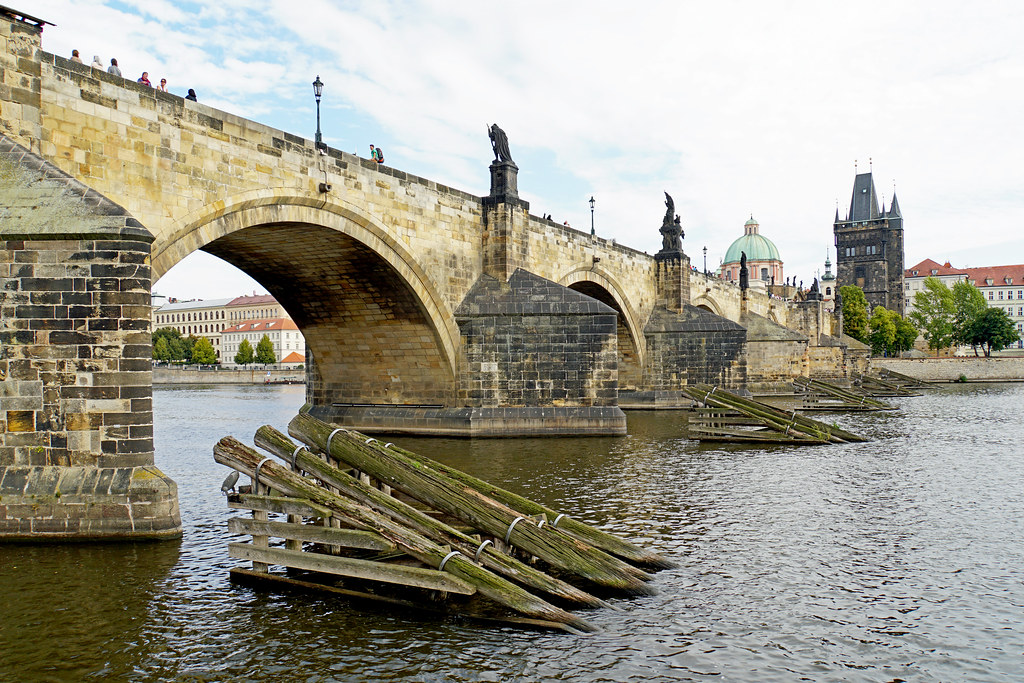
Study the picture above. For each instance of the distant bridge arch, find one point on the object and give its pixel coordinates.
(708, 304)
(602, 285)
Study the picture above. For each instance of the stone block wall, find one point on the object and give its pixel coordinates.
(75, 361)
(20, 81)
(691, 347)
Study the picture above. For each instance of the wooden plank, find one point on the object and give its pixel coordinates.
(247, 575)
(279, 504)
(354, 568)
(349, 538)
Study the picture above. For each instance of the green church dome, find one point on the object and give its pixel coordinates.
(757, 246)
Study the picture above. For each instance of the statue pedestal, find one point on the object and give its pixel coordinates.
(504, 182)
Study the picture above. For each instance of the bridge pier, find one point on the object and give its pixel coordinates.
(76, 414)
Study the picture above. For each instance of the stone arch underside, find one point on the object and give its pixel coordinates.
(373, 324)
(365, 329)
(708, 304)
(630, 352)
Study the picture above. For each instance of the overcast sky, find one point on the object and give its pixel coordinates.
(735, 108)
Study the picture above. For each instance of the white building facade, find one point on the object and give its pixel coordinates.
(289, 344)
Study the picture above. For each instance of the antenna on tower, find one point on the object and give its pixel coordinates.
(871, 164)
(854, 165)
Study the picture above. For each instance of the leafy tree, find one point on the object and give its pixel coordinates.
(890, 333)
(968, 304)
(203, 353)
(178, 349)
(994, 330)
(906, 335)
(245, 354)
(265, 351)
(934, 313)
(161, 349)
(883, 330)
(855, 312)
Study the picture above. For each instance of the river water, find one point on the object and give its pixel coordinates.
(897, 559)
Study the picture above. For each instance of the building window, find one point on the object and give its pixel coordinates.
(991, 296)
(1020, 311)
(1000, 295)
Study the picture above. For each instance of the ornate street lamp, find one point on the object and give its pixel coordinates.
(705, 261)
(318, 90)
(592, 202)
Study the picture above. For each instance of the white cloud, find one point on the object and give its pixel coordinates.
(735, 107)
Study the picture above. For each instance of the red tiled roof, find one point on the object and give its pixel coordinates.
(294, 357)
(925, 268)
(255, 300)
(998, 274)
(267, 325)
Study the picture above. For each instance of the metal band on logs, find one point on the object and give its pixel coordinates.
(480, 549)
(388, 445)
(541, 523)
(508, 534)
(295, 454)
(331, 437)
(557, 519)
(256, 473)
(370, 440)
(447, 557)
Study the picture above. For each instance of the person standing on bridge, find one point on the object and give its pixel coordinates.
(144, 79)
(113, 68)
(163, 85)
(191, 95)
(75, 57)
(96, 63)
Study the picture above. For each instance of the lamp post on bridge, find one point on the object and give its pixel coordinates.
(705, 261)
(592, 202)
(318, 90)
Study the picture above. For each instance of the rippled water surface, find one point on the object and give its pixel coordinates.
(895, 559)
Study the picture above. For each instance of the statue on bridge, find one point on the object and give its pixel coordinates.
(499, 141)
(671, 228)
(744, 275)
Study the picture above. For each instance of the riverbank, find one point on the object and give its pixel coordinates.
(186, 375)
(1005, 369)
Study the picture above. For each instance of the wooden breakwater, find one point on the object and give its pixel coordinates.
(364, 515)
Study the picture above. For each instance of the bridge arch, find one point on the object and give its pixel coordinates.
(377, 326)
(602, 285)
(708, 304)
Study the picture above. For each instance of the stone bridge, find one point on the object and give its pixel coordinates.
(425, 308)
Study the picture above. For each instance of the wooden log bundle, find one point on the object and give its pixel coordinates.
(231, 452)
(353, 524)
(790, 426)
(846, 399)
(876, 386)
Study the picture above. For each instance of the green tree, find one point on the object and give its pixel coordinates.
(203, 353)
(906, 335)
(161, 349)
(883, 331)
(994, 330)
(968, 304)
(855, 312)
(265, 351)
(245, 354)
(176, 345)
(934, 312)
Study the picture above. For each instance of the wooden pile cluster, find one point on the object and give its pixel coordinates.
(407, 530)
(719, 415)
(889, 383)
(825, 396)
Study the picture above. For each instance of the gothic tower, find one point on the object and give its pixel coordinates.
(869, 247)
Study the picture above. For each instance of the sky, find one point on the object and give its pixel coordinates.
(736, 108)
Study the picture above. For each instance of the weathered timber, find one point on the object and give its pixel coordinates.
(431, 579)
(439, 491)
(249, 576)
(880, 387)
(848, 397)
(348, 538)
(904, 381)
(525, 507)
(231, 452)
(421, 521)
(802, 429)
(278, 504)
